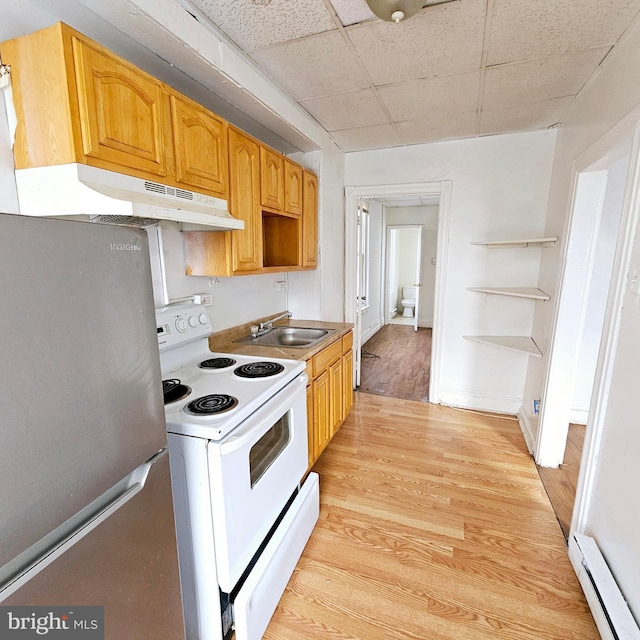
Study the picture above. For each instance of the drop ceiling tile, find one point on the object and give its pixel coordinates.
(439, 40)
(522, 29)
(313, 67)
(525, 83)
(347, 110)
(462, 125)
(541, 115)
(363, 138)
(253, 25)
(432, 96)
(352, 11)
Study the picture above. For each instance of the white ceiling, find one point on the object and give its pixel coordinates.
(463, 69)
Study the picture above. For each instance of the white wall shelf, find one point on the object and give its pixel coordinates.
(517, 292)
(523, 344)
(519, 243)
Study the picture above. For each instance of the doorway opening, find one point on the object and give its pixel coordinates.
(403, 275)
(596, 218)
(588, 316)
(368, 319)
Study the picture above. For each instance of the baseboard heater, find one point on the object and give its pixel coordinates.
(607, 603)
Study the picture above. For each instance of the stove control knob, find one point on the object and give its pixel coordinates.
(181, 325)
(203, 318)
(193, 323)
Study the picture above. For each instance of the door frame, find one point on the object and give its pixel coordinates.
(441, 189)
(590, 166)
(620, 279)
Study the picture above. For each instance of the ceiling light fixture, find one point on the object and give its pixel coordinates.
(395, 10)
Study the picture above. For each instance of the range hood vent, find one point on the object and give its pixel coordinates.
(78, 189)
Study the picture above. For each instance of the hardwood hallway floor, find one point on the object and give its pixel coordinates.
(434, 525)
(561, 483)
(395, 362)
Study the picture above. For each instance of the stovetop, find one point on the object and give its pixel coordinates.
(248, 393)
(220, 381)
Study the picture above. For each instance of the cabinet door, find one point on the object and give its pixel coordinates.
(310, 426)
(335, 396)
(244, 201)
(292, 187)
(309, 242)
(347, 383)
(120, 109)
(271, 179)
(200, 147)
(321, 413)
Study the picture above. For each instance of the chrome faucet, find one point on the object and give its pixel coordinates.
(265, 327)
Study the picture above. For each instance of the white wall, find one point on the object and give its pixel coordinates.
(319, 294)
(500, 189)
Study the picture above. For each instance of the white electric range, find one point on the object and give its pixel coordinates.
(237, 432)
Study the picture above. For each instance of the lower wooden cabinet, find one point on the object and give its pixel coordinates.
(321, 420)
(329, 394)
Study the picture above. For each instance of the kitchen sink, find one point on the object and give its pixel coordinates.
(298, 337)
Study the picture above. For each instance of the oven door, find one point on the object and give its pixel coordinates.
(252, 473)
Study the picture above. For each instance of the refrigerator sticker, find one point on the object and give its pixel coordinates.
(52, 623)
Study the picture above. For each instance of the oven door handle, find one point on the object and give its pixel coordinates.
(250, 432)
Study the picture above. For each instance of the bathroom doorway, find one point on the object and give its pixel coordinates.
(403, 275)
(396, 359)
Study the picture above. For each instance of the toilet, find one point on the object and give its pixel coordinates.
(408, 301)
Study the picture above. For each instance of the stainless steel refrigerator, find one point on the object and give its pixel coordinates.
(86, 515)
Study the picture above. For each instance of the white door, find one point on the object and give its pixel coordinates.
(418, 282)
(362, 280)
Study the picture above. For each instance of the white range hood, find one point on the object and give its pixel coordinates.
(78, 189)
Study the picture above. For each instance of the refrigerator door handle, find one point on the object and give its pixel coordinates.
(22, 568)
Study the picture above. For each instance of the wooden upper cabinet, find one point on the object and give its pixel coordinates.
(212, 253)
(120, 111)
(309, 259)
(244, 201)
(78, 102)
(292, 187)
(271, 179)
(200, 146)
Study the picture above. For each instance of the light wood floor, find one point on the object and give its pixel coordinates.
(396, 362)
(561, 483)
(434, 525)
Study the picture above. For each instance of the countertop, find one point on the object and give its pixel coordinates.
(223, 341)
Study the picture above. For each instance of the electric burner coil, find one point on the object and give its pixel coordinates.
(217, 363)
(263, 369)
(211, 404)
(173, 390)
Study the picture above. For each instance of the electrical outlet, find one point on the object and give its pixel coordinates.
(536, 407)
(281, 285)
(205, 299)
